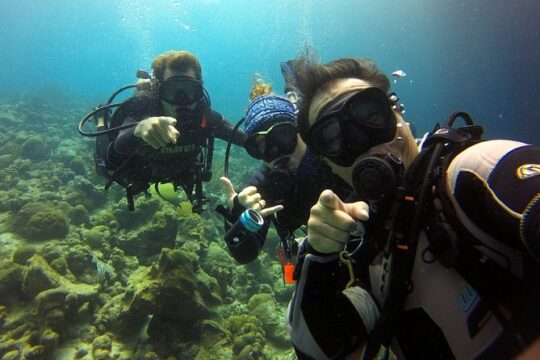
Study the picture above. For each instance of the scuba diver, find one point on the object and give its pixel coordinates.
(165, 133)
(435, 253)
(287, 184)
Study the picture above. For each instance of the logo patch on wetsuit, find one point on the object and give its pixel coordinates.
(178, 149)
(466, 298)
(528, 171)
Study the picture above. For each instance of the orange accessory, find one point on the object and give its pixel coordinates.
(288, 270)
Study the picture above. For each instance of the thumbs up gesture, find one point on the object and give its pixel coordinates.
(331, 221)
(248, 198)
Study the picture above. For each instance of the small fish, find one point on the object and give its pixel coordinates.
(399, 73)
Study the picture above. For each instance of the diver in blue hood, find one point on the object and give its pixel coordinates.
(287, 184)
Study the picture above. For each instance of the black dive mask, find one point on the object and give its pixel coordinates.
(377, 177)
(181, 90)
(352, 124)
(278, 141)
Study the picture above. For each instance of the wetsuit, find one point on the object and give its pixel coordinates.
(494, 191)
(174, 162)
(296, 192)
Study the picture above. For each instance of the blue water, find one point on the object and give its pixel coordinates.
(480, 56)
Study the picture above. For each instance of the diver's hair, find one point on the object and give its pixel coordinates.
(177, 61)
(259, 88)
(310, 76)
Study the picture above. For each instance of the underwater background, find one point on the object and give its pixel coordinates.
(81, 277)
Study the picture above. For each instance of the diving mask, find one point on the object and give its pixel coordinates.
(181, 90)
(279, 140)
(352, 124)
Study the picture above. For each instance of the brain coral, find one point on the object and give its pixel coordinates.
(35, 148)
(41, 221)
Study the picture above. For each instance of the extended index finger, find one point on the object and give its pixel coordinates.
(271, 210)
(358, 210)
(329, 200)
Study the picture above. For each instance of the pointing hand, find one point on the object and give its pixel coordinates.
(331, 221)
(157, 131)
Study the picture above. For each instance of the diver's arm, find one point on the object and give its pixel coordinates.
(127, 143)
(223, 129)
(156, 131)
(132, 111)
(324, 322)
(327, 320)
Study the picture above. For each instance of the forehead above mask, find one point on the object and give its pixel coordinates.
(331, 91)
(170, 73)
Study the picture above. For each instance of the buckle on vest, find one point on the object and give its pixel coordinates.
(442, 238)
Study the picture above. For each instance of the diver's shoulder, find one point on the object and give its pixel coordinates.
(145, 100)
(141, 103)
(214, 116)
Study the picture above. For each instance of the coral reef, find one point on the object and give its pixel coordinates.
(155, 232)
(81, 191)
(265, 308)
(79, 215)
(82, 277)
(176, 290)
(249, 337)
(41, 222)
(35, 148)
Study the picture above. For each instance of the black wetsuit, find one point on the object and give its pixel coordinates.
(296, 192)
(446, 313)
(174, 162)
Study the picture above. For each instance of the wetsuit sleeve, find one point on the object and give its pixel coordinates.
(325, 321)
(127, 143)
(223, 129)
(131, 111)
